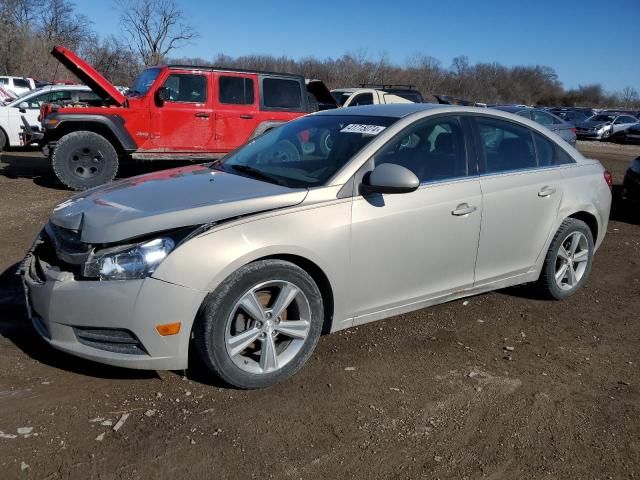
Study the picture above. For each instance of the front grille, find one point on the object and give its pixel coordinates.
(115, 340)
(45, 251)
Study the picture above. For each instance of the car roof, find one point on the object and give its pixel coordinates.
(511, 108)
(214, 68)
(391, 110)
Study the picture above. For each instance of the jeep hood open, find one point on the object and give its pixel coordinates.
(85, 72)
(179, 197)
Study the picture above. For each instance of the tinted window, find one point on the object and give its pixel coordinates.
(362, 99)
(434, 150)
(629, 120)
(21, 83)
(282, 93)
(549, 154)
(505, 146)
(525, 114)
(236, 90)
(183, 87)
(4, 81)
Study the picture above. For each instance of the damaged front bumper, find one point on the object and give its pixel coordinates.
(111, 322)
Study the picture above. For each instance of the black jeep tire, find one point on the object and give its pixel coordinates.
(83, 160)
(211, 331)
(548, 285)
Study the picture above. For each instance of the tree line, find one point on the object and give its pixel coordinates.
(150, 31)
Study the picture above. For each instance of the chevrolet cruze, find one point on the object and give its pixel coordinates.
(333, 220)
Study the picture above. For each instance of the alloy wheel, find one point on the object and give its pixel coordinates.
(572, 260)
(267, 327)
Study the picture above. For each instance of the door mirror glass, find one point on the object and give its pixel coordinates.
(162, 95)
(389, 178)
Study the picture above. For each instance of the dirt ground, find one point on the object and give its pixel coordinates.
(432, 394)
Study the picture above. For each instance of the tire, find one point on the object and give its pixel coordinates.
(3, 140)
(224, 318)
(554, 263)
(83, 160)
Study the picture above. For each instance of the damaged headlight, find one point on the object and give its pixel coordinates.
(129, 262)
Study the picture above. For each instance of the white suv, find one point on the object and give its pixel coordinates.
(18, 85)
(353, 97)
(28, 105)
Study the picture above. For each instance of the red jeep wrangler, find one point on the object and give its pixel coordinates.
(172, 112)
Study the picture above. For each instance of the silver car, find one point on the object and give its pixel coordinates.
(557, 125)
(250, 258)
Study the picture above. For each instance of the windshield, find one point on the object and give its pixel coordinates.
(306, 152)
(144, 81)
(602, 118)
(20, 98)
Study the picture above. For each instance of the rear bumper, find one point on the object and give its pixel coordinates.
(111, 322)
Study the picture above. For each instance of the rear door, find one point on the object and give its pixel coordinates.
(184, 123)
(521, 193)
(236, 109)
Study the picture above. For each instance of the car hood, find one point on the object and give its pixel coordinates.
(85, 72)
(169, 199)
(591, 124)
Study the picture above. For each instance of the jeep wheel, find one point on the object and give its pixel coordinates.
(83, 160)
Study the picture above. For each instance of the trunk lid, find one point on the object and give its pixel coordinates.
(85, 72)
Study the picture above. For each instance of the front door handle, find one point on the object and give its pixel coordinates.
(464, 209)
(202, 115)
(246, 116)
(546, 191)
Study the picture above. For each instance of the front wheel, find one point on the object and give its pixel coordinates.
(568, 261)
(261, 325)
(83, 160)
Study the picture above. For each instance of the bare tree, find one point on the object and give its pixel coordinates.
(155, 28)
(629, 96)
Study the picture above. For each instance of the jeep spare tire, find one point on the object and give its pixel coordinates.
(83, 160)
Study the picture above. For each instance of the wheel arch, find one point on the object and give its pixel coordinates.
(110, 128)
(6, 139)
(591, 221)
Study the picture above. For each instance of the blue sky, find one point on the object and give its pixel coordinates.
(585, 41)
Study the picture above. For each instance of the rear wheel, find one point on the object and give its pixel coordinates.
(83, 160)
(3, 140)
(261, 325)
(568, 261)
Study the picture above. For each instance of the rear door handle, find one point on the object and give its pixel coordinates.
(464, 209)
(202, 115)
(246, 116)
(546, 191)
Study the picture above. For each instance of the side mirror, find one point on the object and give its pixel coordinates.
(162, 95)
(23, 106)
(389, 178)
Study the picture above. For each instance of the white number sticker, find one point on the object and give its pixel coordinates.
(363, 129)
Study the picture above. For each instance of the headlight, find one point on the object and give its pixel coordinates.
(131, 262)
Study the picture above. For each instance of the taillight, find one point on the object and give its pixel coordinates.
(608, 178)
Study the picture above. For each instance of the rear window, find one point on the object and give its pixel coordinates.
(236, 90)
(282, 93)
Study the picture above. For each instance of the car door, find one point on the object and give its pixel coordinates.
(622, 123)
(236, 109)
(415, 246)
(183, 122)
(520, 197)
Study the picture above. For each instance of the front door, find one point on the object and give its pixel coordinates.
(414, 246)
(236, 109)
(184, 122)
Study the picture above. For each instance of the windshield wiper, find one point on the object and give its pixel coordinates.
(257, 174)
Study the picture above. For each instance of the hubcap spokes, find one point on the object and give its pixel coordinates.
(571, 260)
(268, 327)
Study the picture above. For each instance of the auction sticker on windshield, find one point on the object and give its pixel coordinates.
(363, 129)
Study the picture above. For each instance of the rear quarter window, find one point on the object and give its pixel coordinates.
(282, 94)
(549, 154)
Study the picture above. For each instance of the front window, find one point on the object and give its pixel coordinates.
(186, 88)
(144, 81)
(306, 152)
